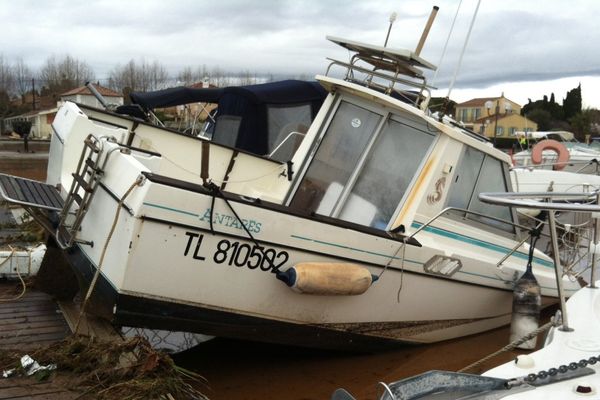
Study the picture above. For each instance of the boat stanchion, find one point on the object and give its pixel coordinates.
(339, 279)
(558, 270)
(596, 246)
(527, 302)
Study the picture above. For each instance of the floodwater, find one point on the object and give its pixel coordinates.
(237, 370)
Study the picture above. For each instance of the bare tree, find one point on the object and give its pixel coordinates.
(247, 78)
(186, 76)
(7, 78)
(23, 76)
(139, 77)
(64, 74)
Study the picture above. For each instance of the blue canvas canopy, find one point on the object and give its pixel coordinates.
(255, 118)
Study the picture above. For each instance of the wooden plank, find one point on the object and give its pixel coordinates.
(28, 388)
(31, 339)
(89, 325)
(30, 321)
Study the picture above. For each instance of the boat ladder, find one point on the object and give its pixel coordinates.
(83, 187)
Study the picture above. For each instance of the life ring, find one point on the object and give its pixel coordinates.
(549, 144)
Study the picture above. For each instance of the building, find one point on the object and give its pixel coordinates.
(82, 95)
(41, 120)
(482, 115)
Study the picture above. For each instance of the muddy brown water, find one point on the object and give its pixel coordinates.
(238, 370)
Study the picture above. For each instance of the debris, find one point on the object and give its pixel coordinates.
(128, 369)
(30, 366)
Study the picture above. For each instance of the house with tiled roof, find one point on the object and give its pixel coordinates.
(486, 114)
(41, 119)
(83, 95)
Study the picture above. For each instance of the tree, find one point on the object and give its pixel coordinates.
(21, 127)
(540, 117)
(140, 77)
(65, 74)
(572, 102)
(581, 123)
(22, 76)
(7, 78)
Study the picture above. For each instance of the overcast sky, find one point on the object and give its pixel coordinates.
(524, 48)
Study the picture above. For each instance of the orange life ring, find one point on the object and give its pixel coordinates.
(549, 144)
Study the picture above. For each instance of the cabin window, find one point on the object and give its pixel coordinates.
(362, 167)
(338, 154)
(285, 120)
(476, 173)
(388, 170)
(226, 130)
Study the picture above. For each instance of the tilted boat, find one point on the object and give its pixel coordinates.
(373, 225)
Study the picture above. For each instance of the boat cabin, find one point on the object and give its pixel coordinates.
(373, 157)
(265, 119)
(379, 161)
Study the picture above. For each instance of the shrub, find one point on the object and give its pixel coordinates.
(21, 127)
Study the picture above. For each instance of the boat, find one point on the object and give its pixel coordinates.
(567, 366)
(369, 235)
(573, 352)
(557, 150)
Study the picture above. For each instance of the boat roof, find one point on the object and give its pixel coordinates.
(386, 58)
(282, 92)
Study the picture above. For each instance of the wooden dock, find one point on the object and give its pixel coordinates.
(34, 320)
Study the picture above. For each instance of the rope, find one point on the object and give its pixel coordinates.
(513, 345)
(270, 172)
(392, 258)
(216, 191)
(23, 285)
(137, 182)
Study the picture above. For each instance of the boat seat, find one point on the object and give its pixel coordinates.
(29, 193)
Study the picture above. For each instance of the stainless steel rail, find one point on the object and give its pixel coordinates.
(507, 255)
(544, 201)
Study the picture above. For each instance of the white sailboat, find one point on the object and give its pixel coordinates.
(186, 234)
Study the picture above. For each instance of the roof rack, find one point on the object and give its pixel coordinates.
(387, 70)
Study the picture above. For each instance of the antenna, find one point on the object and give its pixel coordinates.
(446, 45)
(392, 19)
(462, 53)
(426, 30)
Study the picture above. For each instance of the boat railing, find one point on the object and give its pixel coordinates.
(547, 201)
(583, 164)
(390, 82)
(501, 220)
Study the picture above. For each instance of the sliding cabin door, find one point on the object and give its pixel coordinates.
(363, 166)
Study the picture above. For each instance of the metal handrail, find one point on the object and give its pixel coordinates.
(507, 255)
(543, 201)
(552, 164)
(393, 79)
(447, 209)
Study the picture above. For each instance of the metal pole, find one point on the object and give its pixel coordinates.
(426, 30)
(496, 121)
(97, 94)
(392, 19)
(596, 239)
(558, 271)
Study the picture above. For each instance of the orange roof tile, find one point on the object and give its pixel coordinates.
(478, 102)
(84, 90)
